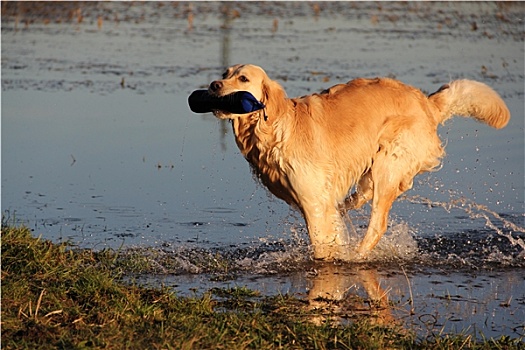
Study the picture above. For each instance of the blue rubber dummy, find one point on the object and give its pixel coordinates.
(239, 102)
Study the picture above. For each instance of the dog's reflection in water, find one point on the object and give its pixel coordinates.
(335, 296)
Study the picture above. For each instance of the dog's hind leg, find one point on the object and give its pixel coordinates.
(378, 221)
(364, 192)
(391, 177)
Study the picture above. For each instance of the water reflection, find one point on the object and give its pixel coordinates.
(334, 292)
(227, 18)
(425, 302)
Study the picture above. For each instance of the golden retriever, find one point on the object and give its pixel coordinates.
(370, 135)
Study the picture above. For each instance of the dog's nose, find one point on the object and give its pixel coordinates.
(215, 85)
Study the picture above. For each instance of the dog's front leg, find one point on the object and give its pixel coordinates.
(328, 234)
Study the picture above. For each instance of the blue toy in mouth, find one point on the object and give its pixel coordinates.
(240, 102)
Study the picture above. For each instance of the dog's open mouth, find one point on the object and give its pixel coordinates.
(221, 114)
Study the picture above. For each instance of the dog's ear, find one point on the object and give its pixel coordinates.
(274, 98)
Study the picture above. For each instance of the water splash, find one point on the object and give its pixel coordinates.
(500, 244)
(398, 243)
(476, 211)
(479, 243)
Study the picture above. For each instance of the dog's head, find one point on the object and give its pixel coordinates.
(247, 77)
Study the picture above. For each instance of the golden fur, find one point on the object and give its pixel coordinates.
(373, 135)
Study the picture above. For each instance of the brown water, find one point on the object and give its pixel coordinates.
(100, 148)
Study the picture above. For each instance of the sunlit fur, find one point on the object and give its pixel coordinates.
(370, 135)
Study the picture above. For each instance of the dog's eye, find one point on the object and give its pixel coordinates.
(243, 79)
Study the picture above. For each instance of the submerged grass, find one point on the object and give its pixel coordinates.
(56, 297)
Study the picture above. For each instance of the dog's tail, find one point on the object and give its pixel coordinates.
(470, 98)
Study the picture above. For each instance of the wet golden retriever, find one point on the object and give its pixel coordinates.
(370, 135)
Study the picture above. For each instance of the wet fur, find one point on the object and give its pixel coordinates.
(373, 135)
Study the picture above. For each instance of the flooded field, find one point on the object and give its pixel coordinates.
(99, 148)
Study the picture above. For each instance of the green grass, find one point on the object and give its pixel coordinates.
(55, 297)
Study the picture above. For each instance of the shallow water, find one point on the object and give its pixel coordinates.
(100, 148)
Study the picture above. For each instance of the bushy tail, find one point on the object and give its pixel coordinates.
(470, 98)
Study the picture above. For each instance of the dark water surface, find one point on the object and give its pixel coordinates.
(99, 148)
